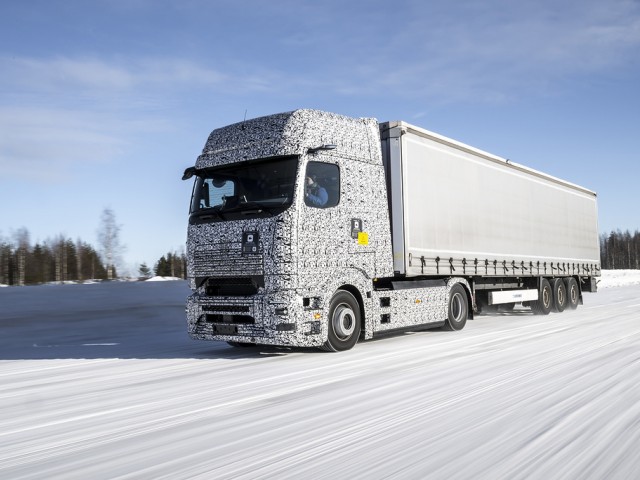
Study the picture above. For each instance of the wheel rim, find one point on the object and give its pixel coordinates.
(573, 294)
(561, 298)
(546, 297)
(344, 321)
(457, 307)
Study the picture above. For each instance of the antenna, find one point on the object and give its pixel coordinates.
(244, 119)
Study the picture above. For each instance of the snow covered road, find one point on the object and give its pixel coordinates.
(101, 381)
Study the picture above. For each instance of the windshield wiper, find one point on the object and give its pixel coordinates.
(254, 211)
(210, 214)
(252, 208)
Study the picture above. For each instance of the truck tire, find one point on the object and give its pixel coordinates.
(542, 306)
(559, 302)
(573, 292)
(458, 310)
(344, 322)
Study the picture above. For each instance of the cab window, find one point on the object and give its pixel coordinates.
(322, 185)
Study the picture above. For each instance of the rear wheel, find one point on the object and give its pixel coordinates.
(458, 308)
(344, 322)
(559, 302)
(542, 306)
(573, 292)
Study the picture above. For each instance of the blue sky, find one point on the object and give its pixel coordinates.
(104, 103)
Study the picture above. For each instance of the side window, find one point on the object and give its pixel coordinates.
(322, 185)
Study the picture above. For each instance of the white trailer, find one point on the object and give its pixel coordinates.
(457, 209)
(314, 229)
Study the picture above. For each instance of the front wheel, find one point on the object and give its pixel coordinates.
(458, 308)
(344, 322)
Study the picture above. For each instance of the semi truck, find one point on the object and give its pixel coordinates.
(313, 229)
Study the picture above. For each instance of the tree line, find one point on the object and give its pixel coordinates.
(56, 260)
(170, 265)
(63, 259)
(620, 250)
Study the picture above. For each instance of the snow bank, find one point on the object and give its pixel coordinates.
(162, 279)
(619, 278)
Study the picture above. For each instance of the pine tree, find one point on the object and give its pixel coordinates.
(163, 269)
(144, 270)
(6, 254)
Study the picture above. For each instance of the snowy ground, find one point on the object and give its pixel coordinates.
(101, 381)
(618, 278)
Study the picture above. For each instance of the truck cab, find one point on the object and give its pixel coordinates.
(288, 227)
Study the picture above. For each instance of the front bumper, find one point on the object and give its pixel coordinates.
(268, 319)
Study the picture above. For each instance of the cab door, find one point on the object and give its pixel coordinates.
(323, 227)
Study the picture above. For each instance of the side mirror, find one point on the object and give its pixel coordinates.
(329, 146)
(188, 173)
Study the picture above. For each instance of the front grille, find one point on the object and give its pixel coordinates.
(227, 258)
(233, 286)
(226, 308)
(229, 319)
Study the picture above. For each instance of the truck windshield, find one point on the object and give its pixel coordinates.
(260, 188)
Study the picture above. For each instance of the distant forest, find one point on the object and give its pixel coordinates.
(620, 250)
(63, 259)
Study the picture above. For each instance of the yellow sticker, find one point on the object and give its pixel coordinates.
(363, 238)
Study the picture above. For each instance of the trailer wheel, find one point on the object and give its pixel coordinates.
(344, 322)
(559, 295)
(573, 292)
(458, 308)
(542, 306)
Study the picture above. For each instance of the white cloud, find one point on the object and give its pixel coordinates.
(48, 143)
(509, 48)
(60, 113)
(93, 76)
(491, 51)
(50, 74)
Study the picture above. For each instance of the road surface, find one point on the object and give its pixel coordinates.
(101, 381)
